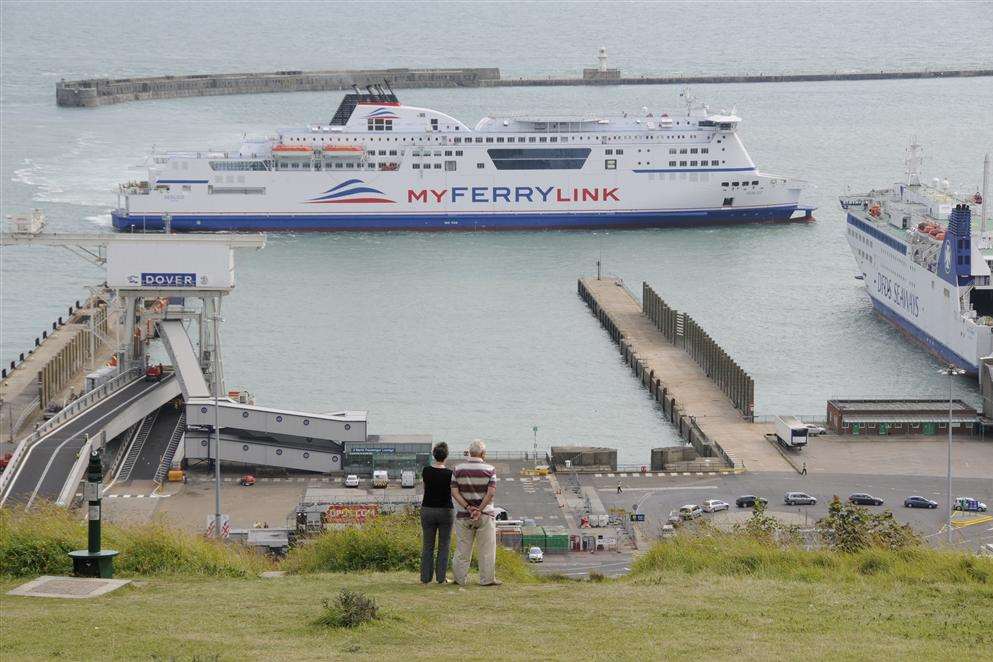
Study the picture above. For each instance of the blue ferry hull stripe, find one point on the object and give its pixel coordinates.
(922, 337)
(453, 221)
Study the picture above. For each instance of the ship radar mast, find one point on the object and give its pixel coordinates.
(914, 162)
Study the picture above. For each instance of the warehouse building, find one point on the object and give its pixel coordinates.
(902, 417)
(391, 452)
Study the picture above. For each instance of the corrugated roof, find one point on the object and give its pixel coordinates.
(902, 406)
(908, 418)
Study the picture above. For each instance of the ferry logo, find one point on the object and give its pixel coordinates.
(517, 194)
(382, 114)
(351, 191)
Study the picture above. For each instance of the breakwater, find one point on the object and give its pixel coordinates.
(705, 395)
(93, 92)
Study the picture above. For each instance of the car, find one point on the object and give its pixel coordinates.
(535, 555)
(799, 499)
(247, 480)
(690, 511)
(500, 514)
(863, 499)
(351, 480)
(749, 501)
(815, 430)
(669, 531)
(674, 518)
(968, 504)
(919, 502)
(153, 373)
(713, 505)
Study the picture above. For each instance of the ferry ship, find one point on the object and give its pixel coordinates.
(925, 255)
(380, 165)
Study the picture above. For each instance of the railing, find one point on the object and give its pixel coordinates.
(816, 419)
(139, 442)
(170, 451)
(72, 410)
(27, 411)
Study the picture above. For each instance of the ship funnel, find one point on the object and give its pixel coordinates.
(955, 260)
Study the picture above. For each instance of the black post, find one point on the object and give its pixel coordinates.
(92, 561)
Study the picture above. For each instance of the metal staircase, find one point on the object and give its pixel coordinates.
(170, 451)
(135, 451)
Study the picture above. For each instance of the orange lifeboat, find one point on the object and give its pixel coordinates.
(342, 149)
(291, 149)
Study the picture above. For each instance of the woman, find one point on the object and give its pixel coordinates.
(437, 516)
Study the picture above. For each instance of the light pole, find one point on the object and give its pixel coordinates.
(216, 317)
(951, 371)
(535, 430)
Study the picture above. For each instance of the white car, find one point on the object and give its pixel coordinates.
(690, 511)
(815, 430)
(535, 555)
(713, 505)
(351, 480)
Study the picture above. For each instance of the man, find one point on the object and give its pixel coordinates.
(473, 489)
(619, 487)
(803, 472)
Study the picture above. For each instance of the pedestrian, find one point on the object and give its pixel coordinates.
(619, 487)
(473, 489)
(803, 470)
(437, 516)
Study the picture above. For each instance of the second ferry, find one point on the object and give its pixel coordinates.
(380, 165)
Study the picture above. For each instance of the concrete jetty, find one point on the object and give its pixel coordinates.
(93, 92)
(695, 396)
(56, 365)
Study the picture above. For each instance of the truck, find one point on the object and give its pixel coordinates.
(791, 432)
(406, 478)
(380, 478)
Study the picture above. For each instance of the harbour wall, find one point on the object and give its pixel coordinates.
(93, 92)
(703, 393)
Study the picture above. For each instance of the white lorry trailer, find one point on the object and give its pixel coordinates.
(791, 432)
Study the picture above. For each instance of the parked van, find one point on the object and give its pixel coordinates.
(380, 478)
(406, 478)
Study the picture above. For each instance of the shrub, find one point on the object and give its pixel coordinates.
(38, 541)
(850, 528)
(387, 542)
(350, 609)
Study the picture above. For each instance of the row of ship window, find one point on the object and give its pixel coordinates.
(592, 137)
(754, 182)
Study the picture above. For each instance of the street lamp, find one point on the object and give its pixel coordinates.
(952, 372)
(535, 430)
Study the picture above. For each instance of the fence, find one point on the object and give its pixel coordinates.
(682, 330)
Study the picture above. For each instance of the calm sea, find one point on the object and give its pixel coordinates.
(466, 335)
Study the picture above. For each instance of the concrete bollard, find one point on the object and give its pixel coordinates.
(4, 371)
(22, 357)
(36, 342)
(44, 334)
(60, 321)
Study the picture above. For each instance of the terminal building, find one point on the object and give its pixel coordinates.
(902, 417)
(390, 452)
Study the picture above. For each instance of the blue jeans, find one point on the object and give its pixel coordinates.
(436, 521)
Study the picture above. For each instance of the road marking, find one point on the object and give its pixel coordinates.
(660, 489)
(139, 496)
(622, 475)
(111, 496)
(598, 475)
(673, 474)
(126, 496)
(700, 473)
(510, 480)
(610, 475)
(686, 473)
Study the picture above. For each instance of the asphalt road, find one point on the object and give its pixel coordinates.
(656, 497)
(43, 472)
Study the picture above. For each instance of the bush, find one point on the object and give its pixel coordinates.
(851, 528)
(37, 542)
(349, 610)
(384, 543)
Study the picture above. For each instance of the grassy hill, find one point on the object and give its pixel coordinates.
(712, 596)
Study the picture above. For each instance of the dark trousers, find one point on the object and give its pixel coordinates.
(436, 522)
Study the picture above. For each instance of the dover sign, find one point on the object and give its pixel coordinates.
(170, 265)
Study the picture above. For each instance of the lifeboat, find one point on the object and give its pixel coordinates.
(342, 149)
(874, 211)
(292, 149)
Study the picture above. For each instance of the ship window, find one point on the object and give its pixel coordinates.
(531, 139)
(450, 166)
(553, 139)
(458, 141)
(437, 166)
(458, 152)
(551, 158)
(393, 152)
(489, 140)
(734, 183)
(725, 183)
(499, 140)
(448, 152)
(692, 163)
(693, 150)
(620, 151)
(609, 152)
(416, 166)
(186, 187)
(705, 150)
(728, 202)
(610, 164)
(479, 140)
(682, 164)
(480, 165)
(542, 139)
(672, 150)
(339, 165)
(682, 151)
(672, 164)
(755, 183)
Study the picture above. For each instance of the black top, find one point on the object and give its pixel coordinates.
(437, 487)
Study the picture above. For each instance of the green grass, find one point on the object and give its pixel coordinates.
(708, 596)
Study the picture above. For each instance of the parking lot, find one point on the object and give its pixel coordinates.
(656, 496)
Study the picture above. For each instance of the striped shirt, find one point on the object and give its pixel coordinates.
(472, 478)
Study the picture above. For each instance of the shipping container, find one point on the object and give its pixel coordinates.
(533, 536)
(556, 540)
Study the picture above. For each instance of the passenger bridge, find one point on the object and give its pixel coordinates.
(49, 464)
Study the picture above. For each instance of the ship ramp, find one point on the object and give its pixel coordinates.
(184, 359)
